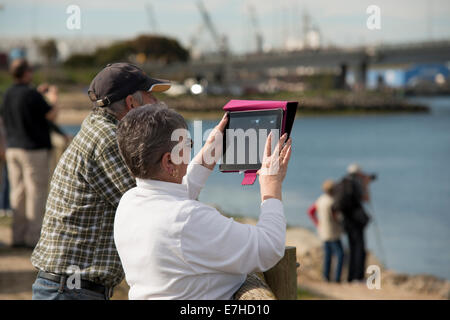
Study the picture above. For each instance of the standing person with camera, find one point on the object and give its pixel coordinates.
(349, 195)
(26, 115)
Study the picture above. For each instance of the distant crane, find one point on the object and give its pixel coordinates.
(151, 17)
(221, 41)
(256, 29)
(194, 40)
(311, 32)
(306, 25)
(221, 44)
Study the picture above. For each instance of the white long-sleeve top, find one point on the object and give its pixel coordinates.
(175, 247)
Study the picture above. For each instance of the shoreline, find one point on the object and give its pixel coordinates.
(394, 284)
(71, 117)
(17, 274)
(75, 106)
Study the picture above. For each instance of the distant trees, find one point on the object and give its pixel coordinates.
(48, 50)
(144, 48)
(118, 51)
(163, 49)
(80, 60)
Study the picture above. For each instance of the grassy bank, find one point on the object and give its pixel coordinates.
(310, 102)
(75, 104)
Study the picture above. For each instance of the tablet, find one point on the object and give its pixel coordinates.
(245, 137)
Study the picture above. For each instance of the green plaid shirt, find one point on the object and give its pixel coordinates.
(86, 187)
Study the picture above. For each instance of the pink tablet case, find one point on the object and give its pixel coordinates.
(289, 110)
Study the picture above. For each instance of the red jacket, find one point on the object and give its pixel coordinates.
(312, 214)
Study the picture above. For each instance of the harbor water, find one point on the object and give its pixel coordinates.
(409, 152)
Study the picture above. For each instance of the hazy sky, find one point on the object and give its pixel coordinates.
(340, 22)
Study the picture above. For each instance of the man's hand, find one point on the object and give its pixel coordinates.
(43, 88)
(52, 95)
(213, 147)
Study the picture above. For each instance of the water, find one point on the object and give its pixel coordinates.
(411, 198)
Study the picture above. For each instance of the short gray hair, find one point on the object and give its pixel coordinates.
(144, 136)
(120, 107)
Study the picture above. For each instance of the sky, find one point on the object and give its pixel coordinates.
(341, 23)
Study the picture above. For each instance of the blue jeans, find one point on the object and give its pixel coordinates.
(44, 289)
(4, 188)
(333, 248)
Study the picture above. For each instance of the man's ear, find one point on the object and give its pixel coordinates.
(129, 102)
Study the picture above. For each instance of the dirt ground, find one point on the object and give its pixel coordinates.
(17, 275)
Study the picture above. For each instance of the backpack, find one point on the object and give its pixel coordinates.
(344, 197)
(347, 200)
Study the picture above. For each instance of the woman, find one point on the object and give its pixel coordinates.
(329, 229)
(173, 246)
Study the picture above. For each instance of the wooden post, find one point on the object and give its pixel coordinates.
(254, 288)
(282, 278)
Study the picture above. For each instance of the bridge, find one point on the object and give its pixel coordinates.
(358, 59)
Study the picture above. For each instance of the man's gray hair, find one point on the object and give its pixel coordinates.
(144, 136)
(119, 107)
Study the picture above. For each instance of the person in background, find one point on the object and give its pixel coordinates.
(5, 208)
(44, 89)
(2, 143)
(349, 197)
(60, 140)
(26, 115)
(4, 183)
(88, 182)
(329, 229)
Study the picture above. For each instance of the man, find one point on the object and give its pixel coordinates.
(349, 196)
(77, 235)
(4, 183)
(26, 116)
(329, 230)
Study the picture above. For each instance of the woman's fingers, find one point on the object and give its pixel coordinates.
(271, 161)
(223, 123)
(286, 158)
(285, 148)
(285, 154)
(268, 147)
(219, 128)
(280, 143)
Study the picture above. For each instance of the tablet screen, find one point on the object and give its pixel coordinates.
(245, 138)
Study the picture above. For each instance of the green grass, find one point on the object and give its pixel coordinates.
(304, 294)
(6, 221)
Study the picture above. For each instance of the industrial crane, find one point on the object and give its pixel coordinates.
(255, 25)
(220, 41)
(221, 44)
(151, 17)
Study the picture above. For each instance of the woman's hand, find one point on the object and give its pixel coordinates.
(213, 147)
(274, 167)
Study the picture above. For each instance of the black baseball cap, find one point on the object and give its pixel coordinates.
(118, 80)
